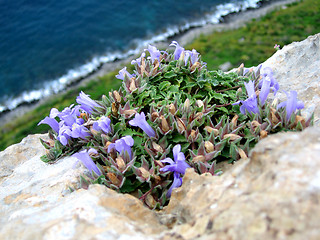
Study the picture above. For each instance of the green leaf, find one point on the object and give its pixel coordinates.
(45, 144)
(142, 97)
(189, 85)
(164, 85)
(138, 143)
(118, 126)
(131, 132)
(58, 153)
(174, 89)
(45, 159)
(170, 74)
(178, 138)
(214, 82)
(299, 126)
(57, 145)
(233, 151)
(218, 96)
(185, 147)
(223, 109)
(129, 186)
(100, 180)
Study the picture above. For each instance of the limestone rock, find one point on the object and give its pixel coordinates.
(273, 195)
(35, 202)
(19, 153)
(296, 67)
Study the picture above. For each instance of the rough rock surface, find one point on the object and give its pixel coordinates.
(17, 154)
(296, 67)
(274, 194)
(35, 202)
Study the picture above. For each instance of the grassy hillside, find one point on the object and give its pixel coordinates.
(251, 45)
(254, 43)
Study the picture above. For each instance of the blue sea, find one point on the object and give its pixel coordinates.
(46, 44)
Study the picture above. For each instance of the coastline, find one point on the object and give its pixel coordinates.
(230, 22)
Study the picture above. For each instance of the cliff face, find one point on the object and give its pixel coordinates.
(296, 67)
(274, 194)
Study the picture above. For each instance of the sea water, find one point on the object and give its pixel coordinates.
(46, 44)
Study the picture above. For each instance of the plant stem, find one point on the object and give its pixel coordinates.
(223, 105)
(146, 194)
(223, 90)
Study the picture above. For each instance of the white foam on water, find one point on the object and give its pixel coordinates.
(51, 87)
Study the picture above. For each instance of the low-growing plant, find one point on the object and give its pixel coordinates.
(170, 114)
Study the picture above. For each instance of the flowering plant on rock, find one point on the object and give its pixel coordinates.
(171, 113)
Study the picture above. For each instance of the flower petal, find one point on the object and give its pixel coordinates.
(265, 89)
(128, 140)
(250, 88)
(84, 157)
(177, 182)
(51, 122)
(167, 160)
(140, 121)
(176, 150)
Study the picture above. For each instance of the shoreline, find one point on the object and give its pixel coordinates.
(231, 21)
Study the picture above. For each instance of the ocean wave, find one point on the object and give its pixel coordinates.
(73, 75)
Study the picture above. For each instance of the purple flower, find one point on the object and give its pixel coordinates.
(245, 71)
(250, 88)
(178, 166)
(79, 131)
(86, 160)
(102, 124)
(250, 104)
(140, 121)
(67, 132)
(154, 53)
(123, 144)
(86, 103)
(69, 115)
(64, 134)
(54, 112)
(252, 69)
(177, 182)
(292, 104)
(51, 122)
(265, 89)
(267, 74)
(69, 126)
(138, 60)
(193, 55)
(179, 50)
(123, 72)
(266, 71)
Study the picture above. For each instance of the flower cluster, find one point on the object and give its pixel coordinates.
(170, 114)
(257, 96)
(70, 125)
(185, 55)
